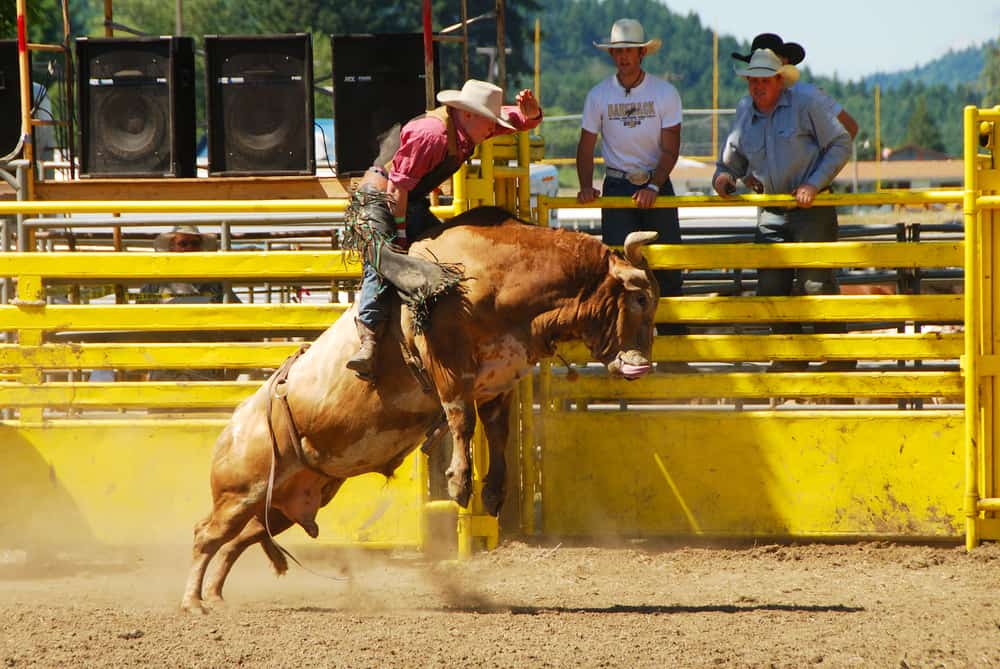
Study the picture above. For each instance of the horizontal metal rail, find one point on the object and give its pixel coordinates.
(746, 385)
(101, 266)
(730, 348)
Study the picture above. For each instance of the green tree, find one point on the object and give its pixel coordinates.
(989, 79)
(921, 129)
(8, 17)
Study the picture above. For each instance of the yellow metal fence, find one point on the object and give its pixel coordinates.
(664, 466)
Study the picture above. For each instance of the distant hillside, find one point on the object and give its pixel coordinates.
(955, 67)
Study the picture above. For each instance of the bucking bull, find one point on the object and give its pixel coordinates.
(315, 423)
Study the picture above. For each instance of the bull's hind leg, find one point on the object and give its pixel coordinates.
(495, 415)
(254, 532)
(230, 513)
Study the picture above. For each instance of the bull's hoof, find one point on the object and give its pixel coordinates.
(193, 606)
(213, 602)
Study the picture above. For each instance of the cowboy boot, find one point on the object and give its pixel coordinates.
(363, 362)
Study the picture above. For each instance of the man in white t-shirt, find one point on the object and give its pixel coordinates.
(638, 117)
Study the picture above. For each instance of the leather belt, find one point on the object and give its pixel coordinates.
(635, 177)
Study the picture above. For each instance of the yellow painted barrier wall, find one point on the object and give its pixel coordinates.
(823, 475)
(146, 482)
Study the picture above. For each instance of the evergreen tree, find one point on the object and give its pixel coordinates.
(989, 79)
(922, 131)
(8, 17)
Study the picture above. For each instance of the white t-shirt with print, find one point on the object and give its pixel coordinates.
(630, 123)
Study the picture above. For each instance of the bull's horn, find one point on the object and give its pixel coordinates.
(633, 244)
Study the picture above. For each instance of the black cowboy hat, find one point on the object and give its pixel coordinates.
(793, 52)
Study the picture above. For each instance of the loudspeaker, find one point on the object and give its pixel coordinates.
(137, 106)
(10, 97)
(260, 105)
(378, 81)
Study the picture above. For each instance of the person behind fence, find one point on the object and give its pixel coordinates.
(185, 239)
(791, 143)
(392, 206)
(791, 54)
(638, 117)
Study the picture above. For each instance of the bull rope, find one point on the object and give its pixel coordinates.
(278, 390)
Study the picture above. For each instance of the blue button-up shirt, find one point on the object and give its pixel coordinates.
(799, 142)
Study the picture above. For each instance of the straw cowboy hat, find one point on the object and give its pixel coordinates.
(627, 33)
(792, 52)
(164, 240)
(789, 75)
(478, 97)
(763, 63)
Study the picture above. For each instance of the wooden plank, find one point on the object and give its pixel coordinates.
(201, 188)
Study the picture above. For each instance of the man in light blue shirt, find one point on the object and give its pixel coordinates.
(790, 142)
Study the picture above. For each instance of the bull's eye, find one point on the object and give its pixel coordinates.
(640, 300)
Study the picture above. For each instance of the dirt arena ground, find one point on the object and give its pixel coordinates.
(638, 605)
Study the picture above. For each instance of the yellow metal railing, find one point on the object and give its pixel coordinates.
(495, 183)
(981, 362)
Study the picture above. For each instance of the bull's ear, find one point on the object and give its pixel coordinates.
(632, 278)
(633, 246)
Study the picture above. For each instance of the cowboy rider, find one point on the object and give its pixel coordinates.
(432, 148)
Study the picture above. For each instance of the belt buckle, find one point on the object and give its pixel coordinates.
(638, 177)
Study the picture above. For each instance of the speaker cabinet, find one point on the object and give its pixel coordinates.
(137, 106)
(10, 97)
(260, 104)
(378, 81)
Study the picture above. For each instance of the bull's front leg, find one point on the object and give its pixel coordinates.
(495, 415)
(461, 414)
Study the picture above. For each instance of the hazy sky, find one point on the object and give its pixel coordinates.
(854, 38)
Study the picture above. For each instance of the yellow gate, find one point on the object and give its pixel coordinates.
(981, 362)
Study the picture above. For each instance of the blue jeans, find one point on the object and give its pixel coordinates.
(616, 224)
(374, 297)
(776, 225)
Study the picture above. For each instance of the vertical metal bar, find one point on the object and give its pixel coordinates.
(108, 16)
(24, 72)
(25, 236)
(538, 60)
(501, 46)
(524, 181)
(878, 140)
(529, 470)
(70, 94)
(465, 39)
(970, 361)
(715, 94)
(6, 285)
(428, 56)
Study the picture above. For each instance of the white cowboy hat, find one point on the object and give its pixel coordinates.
(763, 63)
(207, 241)
(627, 33)
(478, 97)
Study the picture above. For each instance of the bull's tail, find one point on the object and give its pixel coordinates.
(278, 561)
